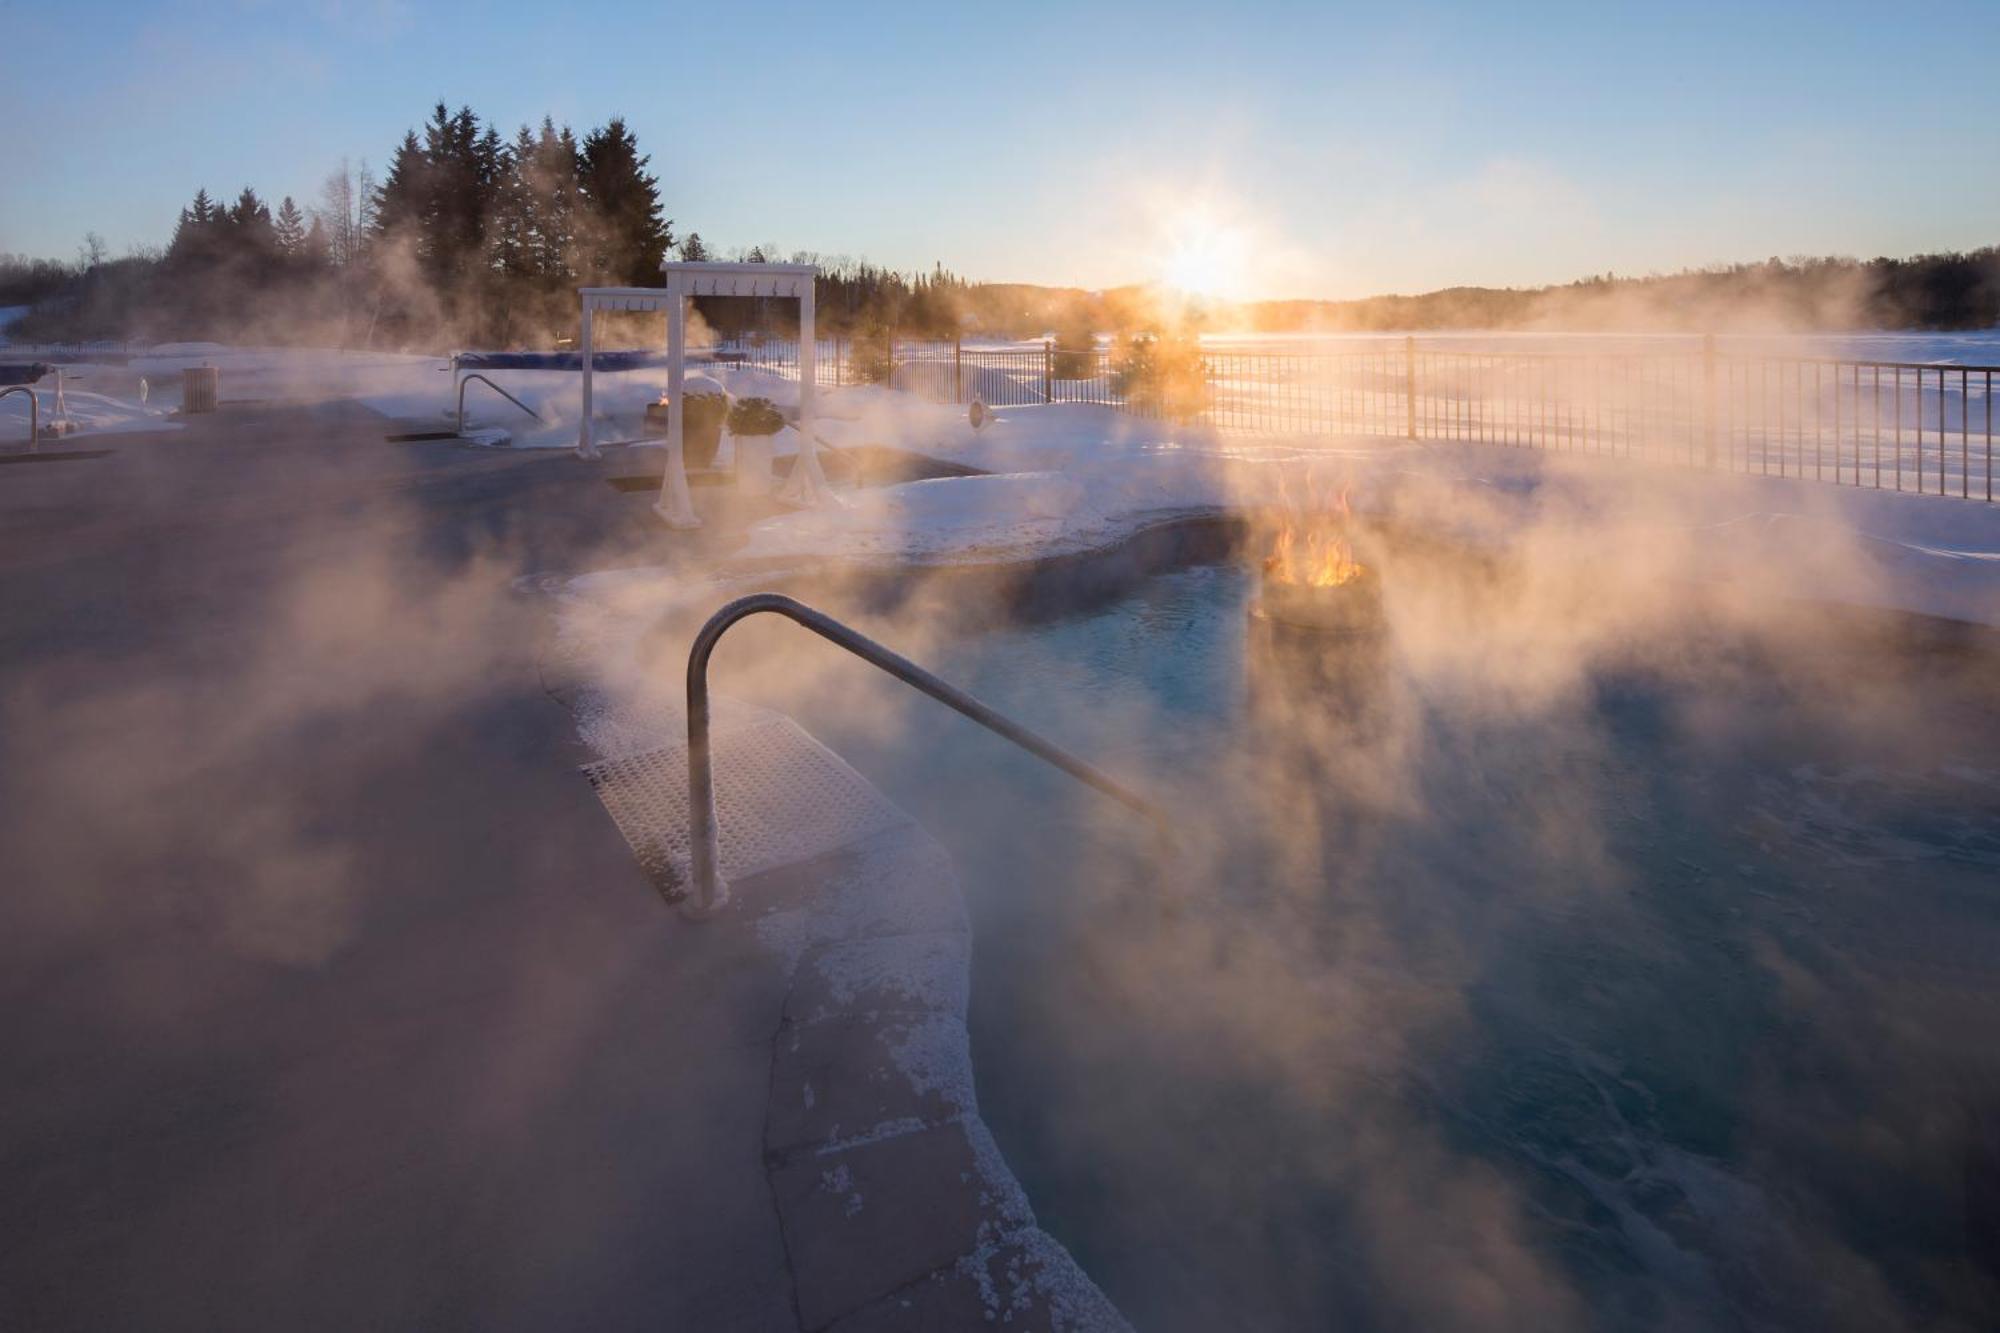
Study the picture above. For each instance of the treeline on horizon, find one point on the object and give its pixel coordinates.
(1949, 291)
(475, 239)
(468, 239)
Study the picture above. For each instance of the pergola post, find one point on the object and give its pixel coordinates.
(675, 504)
(585, 446)
(806, 485)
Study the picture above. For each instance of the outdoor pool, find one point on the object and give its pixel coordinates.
(1653, 983)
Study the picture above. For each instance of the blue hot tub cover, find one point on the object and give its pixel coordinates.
(599, 361)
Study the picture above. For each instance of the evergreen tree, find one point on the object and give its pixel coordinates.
(510, 231)
(460, 167)
(252, 240)
(692, 250)
(628, 238)
(315, 247)
(194, 235)
(289, 228)
(555, 187)
(402, 200)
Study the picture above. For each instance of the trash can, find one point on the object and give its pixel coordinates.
(198, 386)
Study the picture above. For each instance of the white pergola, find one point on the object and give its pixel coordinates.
(807, 483)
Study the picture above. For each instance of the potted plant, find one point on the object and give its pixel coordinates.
(702, 411)
(752, 423)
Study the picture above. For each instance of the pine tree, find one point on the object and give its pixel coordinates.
(692, 250)
(315, 246)
(558, 196)
(628, 238)
(251, 235)
(289, 228)
(510, 229)
(194, 234)
(402, 199)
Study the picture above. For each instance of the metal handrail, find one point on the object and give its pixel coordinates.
(710, 894)
(34, 414)
(497, 389)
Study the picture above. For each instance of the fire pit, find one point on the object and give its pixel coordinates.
(1317, 637)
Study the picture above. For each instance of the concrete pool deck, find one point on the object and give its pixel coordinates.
(338, 999)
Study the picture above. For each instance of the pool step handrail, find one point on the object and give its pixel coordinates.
(710, 893)
(34, 414)
(475, 375)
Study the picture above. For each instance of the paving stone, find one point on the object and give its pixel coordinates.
(866, 1078)
(832, 900)
(898, 882)
(1025, 1284)
(865, 1221)
(892, 974)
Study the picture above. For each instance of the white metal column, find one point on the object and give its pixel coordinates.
(675, 504)
(806, 486)
(585, 446)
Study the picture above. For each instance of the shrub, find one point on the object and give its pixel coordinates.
(1076, 352)
(871, 358)
(755, 416)
(1161, 374)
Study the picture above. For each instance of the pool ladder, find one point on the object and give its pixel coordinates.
(34, 414)
(709, 893)
(497, 389)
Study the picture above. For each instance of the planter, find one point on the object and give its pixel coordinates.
(753, 460)
(701, 428)
(199, 389)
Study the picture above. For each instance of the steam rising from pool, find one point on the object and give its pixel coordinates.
(1319, 959)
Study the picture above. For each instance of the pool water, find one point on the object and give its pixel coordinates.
(1668, 998)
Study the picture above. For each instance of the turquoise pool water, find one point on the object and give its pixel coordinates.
(1668, 998)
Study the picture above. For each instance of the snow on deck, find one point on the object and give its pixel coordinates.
(1070, 478)
(1073, 477)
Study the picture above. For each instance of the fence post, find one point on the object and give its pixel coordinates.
(1048, 370)
(1708, 399)
(1410, 384)
(958, 368)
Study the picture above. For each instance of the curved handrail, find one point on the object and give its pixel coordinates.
(710, 894)
(34, 414)
(475, 375)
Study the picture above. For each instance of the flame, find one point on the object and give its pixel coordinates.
(1311, 546)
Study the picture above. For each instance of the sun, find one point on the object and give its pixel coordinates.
(1205, 260)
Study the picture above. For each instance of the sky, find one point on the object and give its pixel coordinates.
(1256, 149)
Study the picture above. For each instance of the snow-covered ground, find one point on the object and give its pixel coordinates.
(1069, 476)
(404, 387)
(79, 411)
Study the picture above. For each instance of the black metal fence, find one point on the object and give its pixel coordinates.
(1880, 424)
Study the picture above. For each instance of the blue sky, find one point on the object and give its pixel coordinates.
(1306, 149)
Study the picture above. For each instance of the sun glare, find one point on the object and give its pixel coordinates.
(1205, 260)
